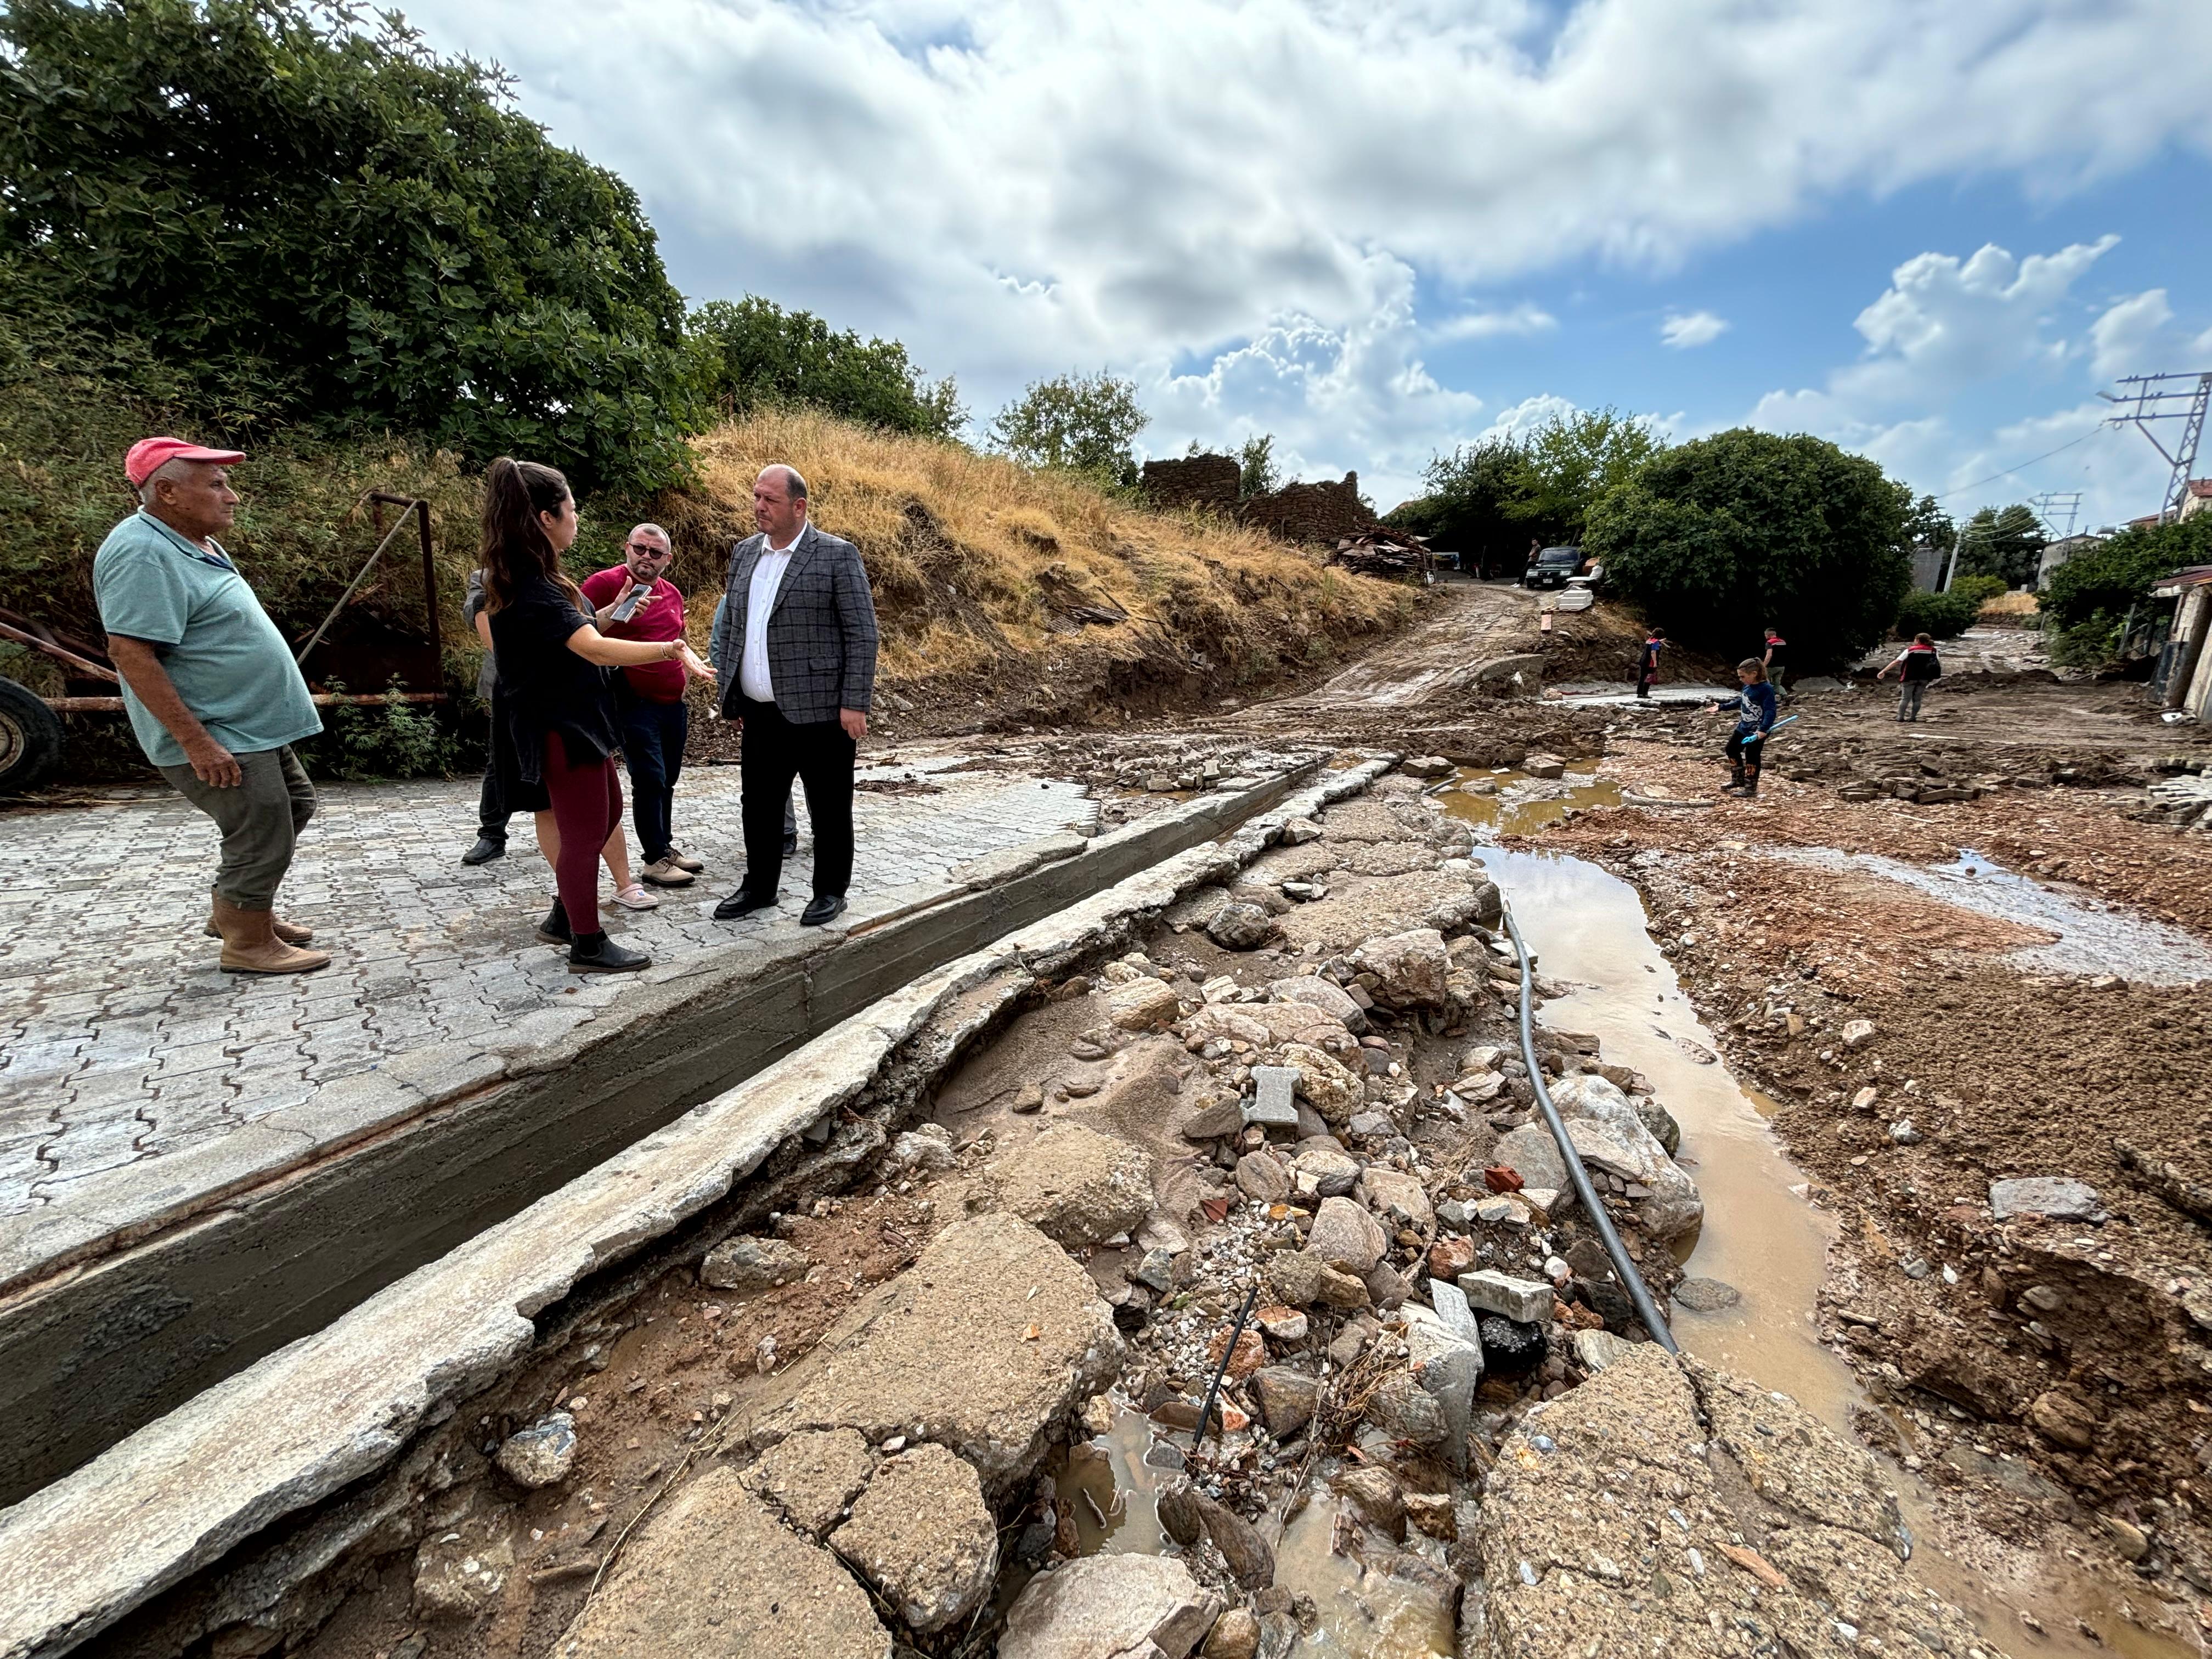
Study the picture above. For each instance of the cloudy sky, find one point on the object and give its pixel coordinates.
(1931, 230)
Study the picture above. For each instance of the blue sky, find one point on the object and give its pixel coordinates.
(1928, 231)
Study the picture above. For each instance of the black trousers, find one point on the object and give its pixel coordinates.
(652, 736)
(820, 756)
(1743, 751)
(491, 805)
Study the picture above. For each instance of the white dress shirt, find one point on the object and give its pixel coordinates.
(753, 680)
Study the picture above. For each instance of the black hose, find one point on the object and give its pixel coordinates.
(1228, 1354)
(1638, 1294)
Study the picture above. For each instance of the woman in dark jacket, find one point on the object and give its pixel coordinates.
(553, 703)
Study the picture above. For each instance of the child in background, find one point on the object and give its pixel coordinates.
(1917, 668)
(1647, 662)
(1776, 661)
(1754, 717)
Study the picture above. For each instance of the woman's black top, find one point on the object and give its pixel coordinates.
(544, 686)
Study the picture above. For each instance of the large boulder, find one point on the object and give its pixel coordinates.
(984, 1345)
(714, 1576)
(1608, 1133)
(1110, 1606)
(1410, 967)
(1077, 1186)
(924, 1537)
(1241, 927)
(1530, 1152)
(1596, 1095)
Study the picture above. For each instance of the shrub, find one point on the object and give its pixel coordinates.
(1981, 589)
(1942, 616)
(1716, 537)
(2117, 574)
(368, 743)
(752, 354)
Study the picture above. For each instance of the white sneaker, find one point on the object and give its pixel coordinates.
(634, 897)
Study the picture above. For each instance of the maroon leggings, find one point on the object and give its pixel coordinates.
(587, 804)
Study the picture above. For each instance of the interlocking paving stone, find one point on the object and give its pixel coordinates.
(124, 1041)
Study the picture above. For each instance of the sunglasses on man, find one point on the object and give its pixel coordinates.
(648, 551)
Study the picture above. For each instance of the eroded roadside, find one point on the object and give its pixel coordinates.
(882, 1413)
(1943, 988)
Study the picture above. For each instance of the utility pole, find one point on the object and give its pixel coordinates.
(2053, 502)
(2183, 397)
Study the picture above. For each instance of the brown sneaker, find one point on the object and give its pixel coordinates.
(249, 945)
(666, 873)
(684, 860)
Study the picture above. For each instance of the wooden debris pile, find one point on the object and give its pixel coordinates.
(1392, 554)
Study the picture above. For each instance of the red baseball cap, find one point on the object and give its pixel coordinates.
(150, 453)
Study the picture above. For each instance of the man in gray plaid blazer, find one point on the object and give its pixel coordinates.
(799, 628)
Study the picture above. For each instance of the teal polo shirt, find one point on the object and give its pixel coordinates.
(225, 657)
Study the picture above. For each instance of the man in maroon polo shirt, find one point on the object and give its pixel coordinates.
(635, 600)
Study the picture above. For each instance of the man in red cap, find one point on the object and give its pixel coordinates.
(215, 698)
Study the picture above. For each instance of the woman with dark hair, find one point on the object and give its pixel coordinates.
(553, 703)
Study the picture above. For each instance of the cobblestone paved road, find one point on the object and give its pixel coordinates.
(120, 1040)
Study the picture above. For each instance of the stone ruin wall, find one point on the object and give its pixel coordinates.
(1324, 511)
(1200, 481)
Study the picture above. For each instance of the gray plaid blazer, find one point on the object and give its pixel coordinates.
(821, 636)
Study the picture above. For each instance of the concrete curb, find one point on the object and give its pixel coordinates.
(189, 1266)
(338, 1406)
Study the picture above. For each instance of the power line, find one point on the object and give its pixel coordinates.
(2024, 465)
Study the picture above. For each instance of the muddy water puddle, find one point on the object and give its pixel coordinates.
(1506, 801)
(1586, 928)
(2089, 935)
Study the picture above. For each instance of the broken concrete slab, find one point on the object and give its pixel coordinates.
(1077, 1186)
(923, 1536)
(984, 1345)
(2054, 1197)
(1523, 1299)
(713, 1575)
(812, 1477)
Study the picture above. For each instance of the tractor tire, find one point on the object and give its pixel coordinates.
(30, 739)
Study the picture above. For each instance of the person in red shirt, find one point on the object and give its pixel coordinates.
(635, 600)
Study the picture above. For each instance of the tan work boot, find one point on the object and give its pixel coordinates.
(249, 945)
(290, 932)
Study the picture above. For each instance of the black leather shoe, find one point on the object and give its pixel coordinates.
(484, 850)
(790, 845)
(824, 907)
(554, 929)
(742, 902)
(595, 953)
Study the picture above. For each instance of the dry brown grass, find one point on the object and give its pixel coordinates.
(987, 574)
(2013, 606)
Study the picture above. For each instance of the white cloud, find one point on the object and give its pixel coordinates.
(2126, 338)
(1014, 184)
(1521, 319)
(1696, 329)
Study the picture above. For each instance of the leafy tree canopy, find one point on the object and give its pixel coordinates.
(2109, 578)
(1716, 537)
(751, 352)
(1929, 525)
(2007, 543)
(1085, 423)
(1488, 499)
(303, 214)
(1256, 472)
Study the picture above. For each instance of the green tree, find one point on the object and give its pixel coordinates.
(1256, 474)
(1714, 536)
(1471, 504)
(305, 214)
(2090, 597)
(752, 352)
(1571, 461)
(2006, 542)
(1927, 525)
(1083, 422)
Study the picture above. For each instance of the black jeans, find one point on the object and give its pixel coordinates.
(652, 736)
(491, 806)
(820, 756)
(1743, 751)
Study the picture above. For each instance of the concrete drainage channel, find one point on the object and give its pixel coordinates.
(570, 1436)
(196, 1271)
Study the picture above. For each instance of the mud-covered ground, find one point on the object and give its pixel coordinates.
(2052, 1378)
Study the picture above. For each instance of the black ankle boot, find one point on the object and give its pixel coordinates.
(554, 929)
(595, 953)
